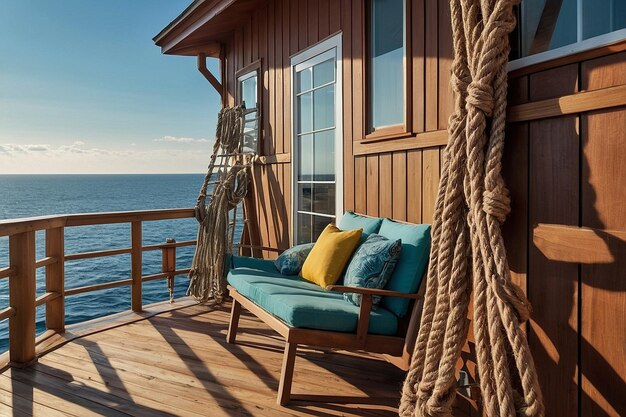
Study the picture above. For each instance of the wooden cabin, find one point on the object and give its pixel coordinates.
(351, 102)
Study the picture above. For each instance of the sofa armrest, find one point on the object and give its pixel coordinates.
(372, 291)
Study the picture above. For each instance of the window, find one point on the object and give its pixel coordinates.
(317, 139)
(550, 29)
(386, 64)
(248, 95)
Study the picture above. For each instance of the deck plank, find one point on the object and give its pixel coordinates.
(178, 363)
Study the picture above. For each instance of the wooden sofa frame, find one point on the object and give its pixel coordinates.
(395, 349)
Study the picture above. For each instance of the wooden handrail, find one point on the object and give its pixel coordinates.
(97, 287)
(44, 298)
(97, 254)
(21, 271)
(6, 272)
(16, 226)
(123, 251)
(6, 313)
(162, 275)
(48, 260)
(171, 245)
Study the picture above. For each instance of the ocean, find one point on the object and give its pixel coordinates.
(38, 195)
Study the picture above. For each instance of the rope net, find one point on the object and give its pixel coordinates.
(228, 173)
(467, 253)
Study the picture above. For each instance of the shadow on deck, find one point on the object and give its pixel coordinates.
(179, 364)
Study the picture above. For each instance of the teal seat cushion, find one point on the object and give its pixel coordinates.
(352, 221)
(302, 304)
(410, 268)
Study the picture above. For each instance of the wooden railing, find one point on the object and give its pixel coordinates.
(23, 265)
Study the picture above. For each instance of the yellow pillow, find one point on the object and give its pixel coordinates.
(329, 255)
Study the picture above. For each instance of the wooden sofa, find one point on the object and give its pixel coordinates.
(250, 282)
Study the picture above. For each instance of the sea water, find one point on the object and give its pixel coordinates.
(39, 195)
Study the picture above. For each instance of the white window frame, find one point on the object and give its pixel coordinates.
(239, 80)
(581, 45)
(318, 52)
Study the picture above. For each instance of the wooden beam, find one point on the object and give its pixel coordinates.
(55, 280)
(420, 140)
(209, 76)
(22, 298)
(569, 104)
(579, 244)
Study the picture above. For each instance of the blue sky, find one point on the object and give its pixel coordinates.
(83, 89)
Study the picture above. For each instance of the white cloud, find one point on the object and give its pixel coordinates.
(77, 158)
(181, 140)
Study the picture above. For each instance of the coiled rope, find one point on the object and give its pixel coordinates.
(467, 252)
(207, 274)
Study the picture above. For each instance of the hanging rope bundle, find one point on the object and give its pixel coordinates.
(206, 276)
(471, 205)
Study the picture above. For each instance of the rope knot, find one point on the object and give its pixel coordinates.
(480, 95)
(497, 202)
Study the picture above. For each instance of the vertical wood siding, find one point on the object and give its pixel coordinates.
(565, 170)
(399, 184)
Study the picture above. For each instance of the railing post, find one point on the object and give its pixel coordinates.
(22, 298)
(168, 264)
(55, 279)
(136, 262)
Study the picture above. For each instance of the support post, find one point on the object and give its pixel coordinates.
(286, 374)
(136, 263)
(55, 279)
(208, 75)
(168, 264)
(22, 299)
(234, 322)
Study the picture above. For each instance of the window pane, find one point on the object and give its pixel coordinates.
(304, 229)
(324, 107)
(324, 156)
(542, 30)
(324, 73)
(249, 92)
(603, 16)
(305, 158)
(304, 196)
(324, 198)
(386, 63)
(319, 223)
(304, 80)
(305, 113)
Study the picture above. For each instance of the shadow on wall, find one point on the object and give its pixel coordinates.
(558, 176)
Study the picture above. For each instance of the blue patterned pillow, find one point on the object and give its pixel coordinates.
(290, 261)
(371, 266)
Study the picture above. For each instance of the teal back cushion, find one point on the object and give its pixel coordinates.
(410, 268)
(351, 221)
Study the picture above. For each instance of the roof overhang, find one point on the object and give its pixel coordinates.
(203, 26)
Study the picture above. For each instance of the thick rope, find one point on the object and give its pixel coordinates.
(207, 278)
(467, 253)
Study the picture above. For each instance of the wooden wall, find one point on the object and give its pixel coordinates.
(566, 170)
(570, 170)
(400, 175)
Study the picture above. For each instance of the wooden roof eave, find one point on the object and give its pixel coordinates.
(202, 27)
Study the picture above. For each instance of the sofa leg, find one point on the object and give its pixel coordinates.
(234, 322)
(286, 374)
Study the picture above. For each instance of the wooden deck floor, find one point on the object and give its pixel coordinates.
(178, 364)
